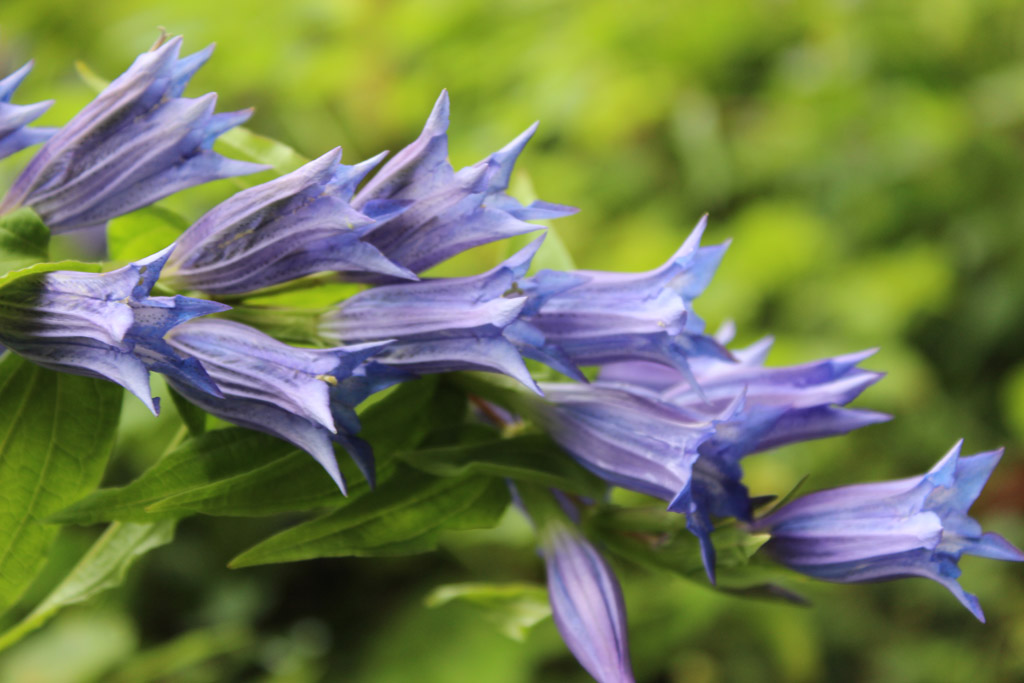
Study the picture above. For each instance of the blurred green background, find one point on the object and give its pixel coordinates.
(866, 158)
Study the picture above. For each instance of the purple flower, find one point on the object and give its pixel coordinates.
(909, 527)
(771, 407)
(449, 211)
(586, 603)
(103, 325)
(628, 438)
(137, 142)
(14, 135)
(440, 325)
(593, 318)
(304, 396)
(295, 225)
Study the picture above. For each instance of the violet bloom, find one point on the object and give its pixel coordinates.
(449, 211)
(279, 389)
(773, 407)
(909, 527)
(14, 118)
(293, 226)
(586, 603)
(629, 438)
(103, 325)
(593, 318)
(440, 325)
(137, 142)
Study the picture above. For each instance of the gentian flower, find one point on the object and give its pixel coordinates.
(594, 318)
(137, 142)
(449, 211)
(908, 527)
(14, 118)
(295, 225)
(304, 396)
(440, 325)
(774, 406)
(586, 603)
(103, 325)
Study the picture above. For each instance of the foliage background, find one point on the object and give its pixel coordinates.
(865, 157)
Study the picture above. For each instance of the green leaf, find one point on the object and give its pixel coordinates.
(192, 415)
(242, 143)
(56, 433)
(217, 455)
(143, 232)
(103, 567)
(531, 458)
(514, 608)
(40, 268)
(24, 240)
(405, 513)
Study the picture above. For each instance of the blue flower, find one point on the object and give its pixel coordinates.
(14, 135)
(304, 396)
(449, 211)
(909, 527)
(137, 142)
(594, 318)
(440, 325)
(586, 603)
(103, 325)
(771, 406)
(293, 226)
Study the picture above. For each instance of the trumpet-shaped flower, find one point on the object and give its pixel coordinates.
(594, 318)
(295, 225)
(449, 211)
(586, 603)
(440, 325)
(282, 390)
(14, 118)
(137, 142)
(103, 325)
(773, 406)
(909, 527)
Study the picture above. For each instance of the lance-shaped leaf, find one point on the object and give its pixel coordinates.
(24, 240)
(405, 515)
(56, 432)
(137, 142)
(103, 567)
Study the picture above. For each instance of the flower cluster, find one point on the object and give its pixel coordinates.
(668, 410)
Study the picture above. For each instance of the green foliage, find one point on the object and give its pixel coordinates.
(23, 240)
(515, 608)
(102, 568)
(404, 516)
(58, 431)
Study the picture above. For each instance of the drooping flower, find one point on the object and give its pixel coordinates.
(293, 226)
(137, 142)
(631, 439)
(304, 396)
(585, 597)
(773, 406)
(14, 118)
(103, 325)
(440, 325)
(594, 318)
(586, 603)
(449, 211)
(908, 527)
